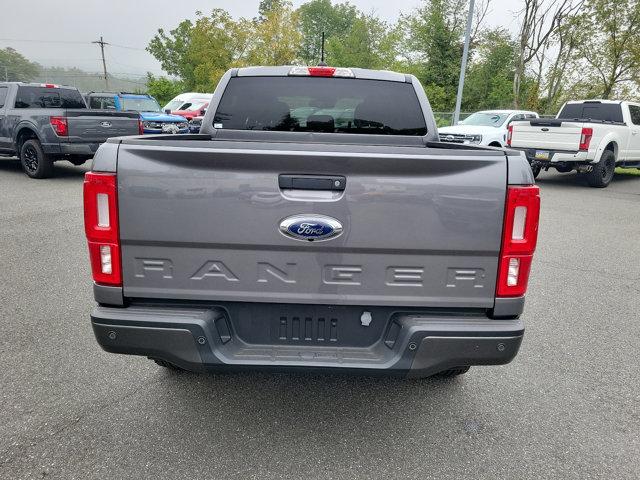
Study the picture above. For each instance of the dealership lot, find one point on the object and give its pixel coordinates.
(567, 407)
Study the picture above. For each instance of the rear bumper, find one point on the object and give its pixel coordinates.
(412, 343)
(555, 156)
(83, 149)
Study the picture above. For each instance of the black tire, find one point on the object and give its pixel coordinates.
(603, 171)
(78, 161)
(536, 170)
(452, 372)
(170, 366)
(34, 161)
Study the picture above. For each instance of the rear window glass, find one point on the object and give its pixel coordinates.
(607, 112)
(42, 97)
(312, 104)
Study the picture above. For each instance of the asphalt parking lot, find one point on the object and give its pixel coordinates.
(567, 407)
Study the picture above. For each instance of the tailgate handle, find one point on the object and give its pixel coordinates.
(312, 182)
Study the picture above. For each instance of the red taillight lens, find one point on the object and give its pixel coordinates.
(140, 127)
(509, 135)
(585, 139)
(101, 227)
(60, 126)
(322, 71)
(520, 235)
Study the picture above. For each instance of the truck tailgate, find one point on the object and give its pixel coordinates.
(565, 137)
(95, 126)
(422, 226)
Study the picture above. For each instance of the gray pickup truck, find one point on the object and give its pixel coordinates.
(315, 222)
(43, 123)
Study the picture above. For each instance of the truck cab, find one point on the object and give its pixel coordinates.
(154, 120)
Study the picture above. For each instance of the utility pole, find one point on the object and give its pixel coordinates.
(102, 43)
(463, 67)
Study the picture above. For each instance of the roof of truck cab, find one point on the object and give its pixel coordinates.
(283, 71)
(506, 111)
(596, 100)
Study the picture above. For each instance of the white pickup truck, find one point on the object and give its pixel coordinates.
(590, 136)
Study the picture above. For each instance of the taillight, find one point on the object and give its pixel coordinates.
(519, 238)
(60, 126)
(321, 72)
(140, 127)
(585, 139)
(509, 135)
(101, 227)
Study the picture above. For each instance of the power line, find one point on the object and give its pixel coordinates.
(74, 42)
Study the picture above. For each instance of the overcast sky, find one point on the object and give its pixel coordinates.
(59, 33)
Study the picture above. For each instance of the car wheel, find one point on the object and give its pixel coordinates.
(602, 173)
(34, 161)
(452, 372)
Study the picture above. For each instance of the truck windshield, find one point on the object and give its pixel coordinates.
(312, 104)
(45, 97)
(485, 119)
(605, 112)
(140, 104)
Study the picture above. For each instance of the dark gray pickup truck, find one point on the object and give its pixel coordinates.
(43, 123)
(315, 222)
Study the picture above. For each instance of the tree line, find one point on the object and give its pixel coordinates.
(563, 49)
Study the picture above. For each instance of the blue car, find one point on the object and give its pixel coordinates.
(154, 120)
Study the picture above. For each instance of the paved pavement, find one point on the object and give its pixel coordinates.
(567, 407)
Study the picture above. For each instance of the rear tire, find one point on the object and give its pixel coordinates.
(170, 366)
(34, 161)
(452, 372)
(602, 173)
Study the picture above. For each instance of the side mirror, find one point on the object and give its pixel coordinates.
(203, 111)
(167, 110)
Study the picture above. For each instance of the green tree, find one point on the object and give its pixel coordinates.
(489, 82)
(369, 43)
(433, 50)
(16, 68)
(218, 42)
(172, 50)
(163, 88)
(275, 38)
(317, 16)
(611, 50)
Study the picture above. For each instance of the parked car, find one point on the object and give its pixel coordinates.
(195, 123)
(488, 127)
(185, 100)
(44, 123)
(153, 119)
(295, 243)
(589, 136)
(194, 110)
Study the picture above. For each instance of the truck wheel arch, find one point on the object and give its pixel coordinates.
(607, 145)
(24, 133)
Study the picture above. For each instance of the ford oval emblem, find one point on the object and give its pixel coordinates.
(310, 227)
(105, 124)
